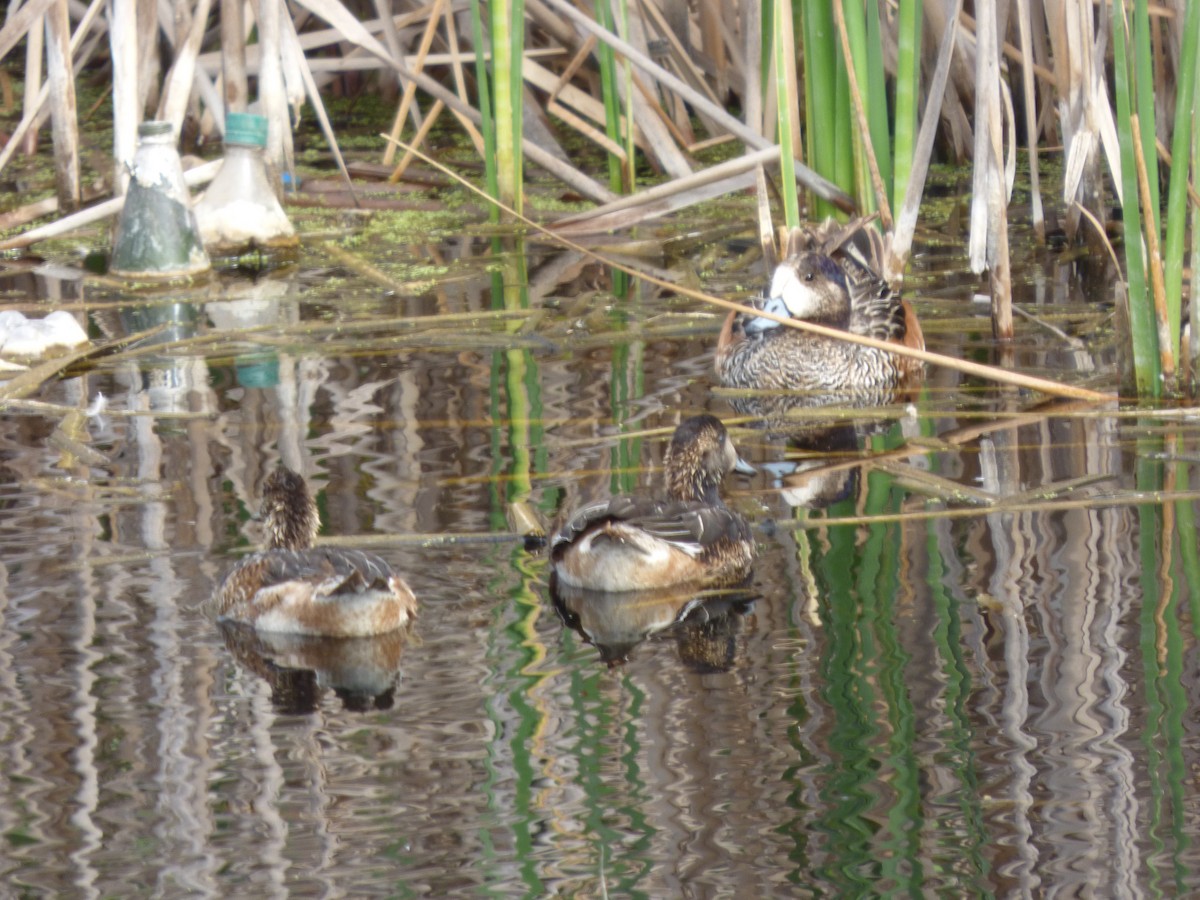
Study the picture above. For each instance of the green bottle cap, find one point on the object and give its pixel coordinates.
(245, 128)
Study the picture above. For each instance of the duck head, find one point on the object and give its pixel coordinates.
(699, 457)
(290, 512)
(808, 286)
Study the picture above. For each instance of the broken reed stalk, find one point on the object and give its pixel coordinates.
(991, 373)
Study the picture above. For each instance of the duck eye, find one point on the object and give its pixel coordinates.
(808, 276)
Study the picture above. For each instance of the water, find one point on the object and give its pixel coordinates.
(996, 701)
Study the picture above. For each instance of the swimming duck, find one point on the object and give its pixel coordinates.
(296, 588)
(826, 279)
(631, 543)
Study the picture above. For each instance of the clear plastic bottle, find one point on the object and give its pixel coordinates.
(240, 212)
(156, 235)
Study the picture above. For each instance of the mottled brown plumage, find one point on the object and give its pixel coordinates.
(632, 543)
(828, 279)
(296, 588)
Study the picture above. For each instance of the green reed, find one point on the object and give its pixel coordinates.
(620, 176)
(1154, 275)
(873, 162)
(500, 92)
(1142, 324)
(908, 97)
(487, 126)
(826, 101)
(1183, 142)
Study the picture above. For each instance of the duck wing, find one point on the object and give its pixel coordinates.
(691, 526)
(332, 572)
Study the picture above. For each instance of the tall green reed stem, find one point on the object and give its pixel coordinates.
(620, 171)
(1183, 143)
(908, 96)
(866, 55)
(1144, 336)
(506, 27)
(487, 126)
(826, 94)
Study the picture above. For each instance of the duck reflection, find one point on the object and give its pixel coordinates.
(822, 467)
(704, 623)
(363, 672)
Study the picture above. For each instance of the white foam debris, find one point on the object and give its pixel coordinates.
(25, 338)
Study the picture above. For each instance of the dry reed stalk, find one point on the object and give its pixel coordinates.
(1105, 501)
(289, 41)
(410, 88)
(686, 66)
(989, 201)
(123, 41)
(565, 100)
(1085, 114)
(34, 57)
(1031, 132)
(183, 70)
(149, 80)
(460, 82)
(752, 25)
(810, 179)
(666, 197)
(899, 244)
(536, 154)
(430, 118)
(234, 83)
(642, 107)
(20, 23)
(276, 61)
(63, 117)
(32, 116)
(391, 38)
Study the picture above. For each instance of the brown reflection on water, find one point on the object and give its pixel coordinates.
(705, 624)
(952, 701)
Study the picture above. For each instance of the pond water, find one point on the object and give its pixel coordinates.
(966, 665)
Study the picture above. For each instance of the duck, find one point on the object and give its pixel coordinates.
(825, 278)
(293, 587)
(640, 543)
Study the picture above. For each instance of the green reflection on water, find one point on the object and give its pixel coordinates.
(873, 836)
(1162, 664)
(521, 712)
(628, 383)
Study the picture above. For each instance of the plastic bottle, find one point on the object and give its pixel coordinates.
(240, 211)
(157, 236)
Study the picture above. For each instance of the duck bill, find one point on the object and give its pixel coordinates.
(758, 324)
(740, 465)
